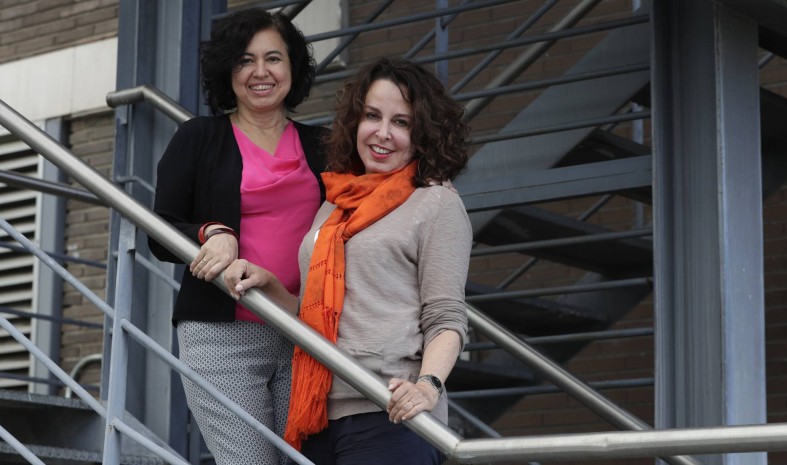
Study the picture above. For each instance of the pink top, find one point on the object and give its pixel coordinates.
(279, 197)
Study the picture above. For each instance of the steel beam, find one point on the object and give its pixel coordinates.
(710, 360)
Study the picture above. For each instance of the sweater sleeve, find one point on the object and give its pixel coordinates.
(443, 259)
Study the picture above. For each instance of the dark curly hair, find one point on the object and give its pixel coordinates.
(438, 133)
(228, 41)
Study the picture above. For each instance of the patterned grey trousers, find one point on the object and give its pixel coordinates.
(251, 364)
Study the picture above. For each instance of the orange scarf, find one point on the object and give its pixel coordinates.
(360, 201)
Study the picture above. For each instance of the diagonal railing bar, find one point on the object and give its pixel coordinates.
(48, 187)
(444, 22)
(56, 255)
(19, 447)
(55, 266)
(148, 265)
(53, 367)
(294, 8)
(404, 20)
(536, 38)
(347, 40)
(520, 65)
(480, 66)
(561, 378)
(57, 319)
(474, 420)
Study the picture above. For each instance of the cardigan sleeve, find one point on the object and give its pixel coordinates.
(175, 191)
(443, 260)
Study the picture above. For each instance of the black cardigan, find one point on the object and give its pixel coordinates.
(199, 179)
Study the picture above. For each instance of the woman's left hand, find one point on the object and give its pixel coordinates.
(409, 399)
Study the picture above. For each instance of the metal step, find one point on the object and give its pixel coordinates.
(65, 456)
(534, 316)
(623, 258)
(470, 375)
(67, 431)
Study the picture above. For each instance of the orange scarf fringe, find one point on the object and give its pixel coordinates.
(360, 201)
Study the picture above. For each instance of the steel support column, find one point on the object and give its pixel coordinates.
(50, 224)
(150, 41)
(709, 300)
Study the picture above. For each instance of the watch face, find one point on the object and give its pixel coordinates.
(437, 383)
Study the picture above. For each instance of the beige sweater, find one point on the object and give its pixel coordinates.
(405, 278)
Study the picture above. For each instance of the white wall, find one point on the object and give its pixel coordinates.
(59, 83)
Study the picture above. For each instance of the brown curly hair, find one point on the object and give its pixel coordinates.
(438, 133)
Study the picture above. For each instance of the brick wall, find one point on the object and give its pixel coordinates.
(87, 237)
(30, 28)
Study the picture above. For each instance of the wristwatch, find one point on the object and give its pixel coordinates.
(434, 381)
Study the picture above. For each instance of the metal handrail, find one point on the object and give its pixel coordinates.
(78, 367)
(19, 447)
(147, 93)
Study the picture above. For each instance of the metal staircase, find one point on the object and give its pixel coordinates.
(63, 431)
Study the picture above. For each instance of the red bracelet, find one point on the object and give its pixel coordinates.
(201, 234)
(222, 230)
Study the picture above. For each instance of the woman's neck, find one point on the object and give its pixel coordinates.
(264, 130)
(268, 124)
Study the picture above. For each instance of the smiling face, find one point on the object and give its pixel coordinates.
(262, 78)
(383, 139)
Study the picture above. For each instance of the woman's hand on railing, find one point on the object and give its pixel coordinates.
(242, 275)
(409, 399)
(214, 256)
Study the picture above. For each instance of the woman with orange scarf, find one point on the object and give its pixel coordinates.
(383, 268)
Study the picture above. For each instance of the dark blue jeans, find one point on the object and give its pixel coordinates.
(369, 439)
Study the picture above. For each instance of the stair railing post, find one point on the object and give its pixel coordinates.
(118, 365)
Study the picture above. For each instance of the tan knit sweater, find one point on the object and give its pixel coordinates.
(405, 278)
